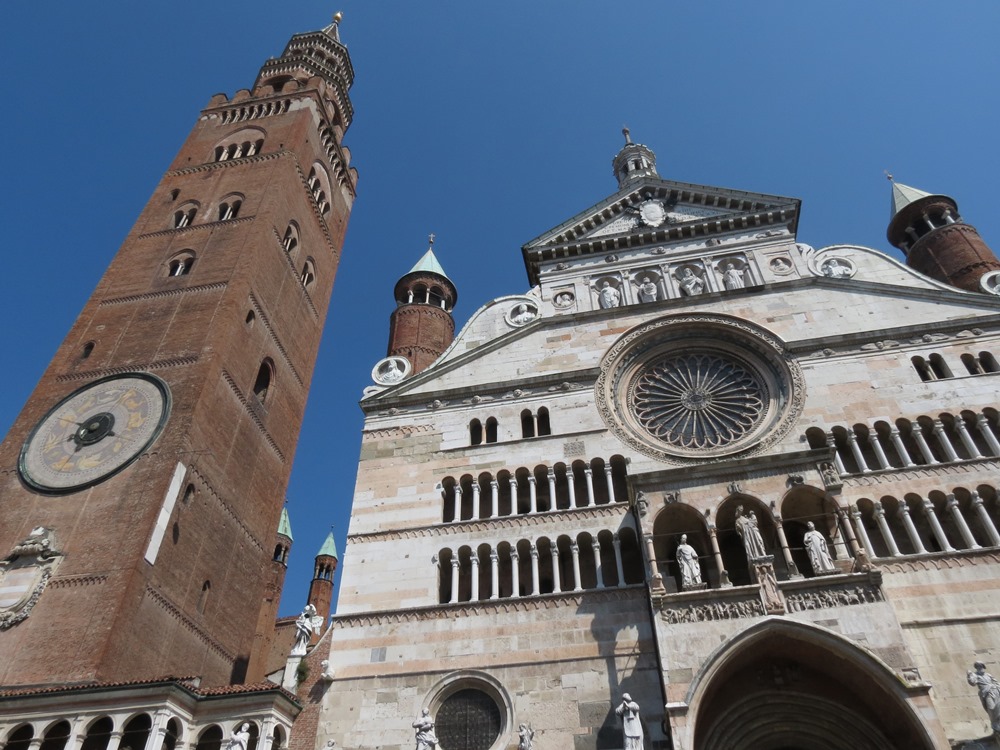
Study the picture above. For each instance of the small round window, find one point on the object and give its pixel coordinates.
(468, 719)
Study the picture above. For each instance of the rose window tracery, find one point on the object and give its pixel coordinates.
(698, 401)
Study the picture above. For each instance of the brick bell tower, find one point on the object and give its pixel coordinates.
(422, 327)
(142, 485)
(936, 241)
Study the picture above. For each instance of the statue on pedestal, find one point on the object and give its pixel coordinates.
(632, 727)
(746, 527)
(687, 561)
(240, 739)
(819, 554)
(306, 624)
(989, 693)
(424, 724)
(525, 734)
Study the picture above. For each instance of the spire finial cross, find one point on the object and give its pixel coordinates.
(888, 175)
(430, 239)
(626, 132)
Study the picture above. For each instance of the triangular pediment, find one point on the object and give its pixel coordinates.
(650, 205)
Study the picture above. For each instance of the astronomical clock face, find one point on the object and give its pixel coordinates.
(95, 432)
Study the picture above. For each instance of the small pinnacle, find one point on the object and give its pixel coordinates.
(430, 239)
(338, 17)
(888, 175)
(628, 138)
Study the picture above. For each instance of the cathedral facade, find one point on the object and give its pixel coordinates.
(700, 468)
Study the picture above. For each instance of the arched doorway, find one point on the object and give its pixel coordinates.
(784, 685)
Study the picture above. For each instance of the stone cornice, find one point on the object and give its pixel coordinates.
(251, 411)
(265, 321)
(227, 508)
(634, 592)
(938, 561)
(188, 623)
(608, 510)
(200, 226)
(290, 265)
(891, 476)
(160, 364)
(163, 293)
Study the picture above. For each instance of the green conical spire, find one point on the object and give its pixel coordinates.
(429, 264)
(329, 548)
(904, 195)
(285, 525)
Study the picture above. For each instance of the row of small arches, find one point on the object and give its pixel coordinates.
(135, 731)
(533, 424)
(533, 567)
(254, 111)
(935, 367)
(925, 440)
(182, 263)
(229, 209)
(525, 491)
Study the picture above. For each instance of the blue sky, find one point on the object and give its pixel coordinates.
(485, 123)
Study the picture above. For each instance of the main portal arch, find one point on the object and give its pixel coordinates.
(785, 685)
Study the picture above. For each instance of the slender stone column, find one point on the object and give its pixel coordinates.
(454, 580)
(475, 575)
(618, 560)
(532, 494)
(570, 485)
(575, 549)
(535, 589)
(115, 740)
(944, 441)
(963, 526)
(967, 441)
(852, 440)
(458, 503)
(494, 498)
(713, 539)
(77, 735)
(983, 424)
(476, 505)
(925, 449)
(556, 578)
(654, 570)
(831, 442)
(154, 741)
(793, 572)
(936, 526)
(911, 528)
(848, 531)
(876, 445)
(494, 574)
(611, 484)
(589, 474)
(984, 519)
(553, 505)
(266, 734)
(863, 532)
(513, 495)
(515, 572)
(886, 531)
(897, 440)
(597, 563)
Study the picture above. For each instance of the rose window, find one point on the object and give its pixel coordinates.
(698, 401)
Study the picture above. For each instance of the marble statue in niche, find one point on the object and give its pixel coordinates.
(687, 561)
(989, 693)
(749, 531)
(240, 739)
(609, 297)
(628, 711)
(819, 554)
(647, 289)
(306, 624)
(732, 277)
(690, 285)
(837, 268)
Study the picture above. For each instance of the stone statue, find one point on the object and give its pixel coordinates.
(819, 555)
(732, 278)
(609, 296)
(525, 734)
(989, 693)
(306, 624)
(392, 372)
(424, 724)
(522, 314)
(690, 284)
(647, 290)
(687, 561)
(836, 269)
(629, 713)
(239, 740)
(746, 527)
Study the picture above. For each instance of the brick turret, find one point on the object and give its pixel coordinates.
(321, 588)
(421, 326)
(929, 230)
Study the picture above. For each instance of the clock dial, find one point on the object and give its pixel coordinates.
(95, 432)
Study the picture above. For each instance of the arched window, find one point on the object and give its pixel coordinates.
(56, 737)
(206, 589)
(319, 187)
(544, 428)
(180, 264)
(527, 424)
(245, 142)
(229, 209)
(20, 738)
(940, 367)
(184, 216)
(491, 430)
(262, 384)
(988, 362)
(189, 493)
(88, 349)
(98, 734)
(136, 732)
(475, 432)
(972, 364)
(308, 275)
(291, 239)
(210, 738)
(923, 369)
